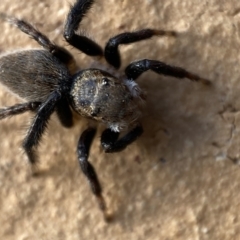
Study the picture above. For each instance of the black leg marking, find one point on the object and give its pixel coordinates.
(64, 113)
(111, 52)
(59, 52)
(83, 148)
(38, 125)
(111, 143)
(75, 16)
(135, 69)
(18, 109)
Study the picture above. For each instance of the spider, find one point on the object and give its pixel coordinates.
(45, 79)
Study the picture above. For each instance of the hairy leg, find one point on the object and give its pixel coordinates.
(81, 42)
(83, 148)
(64, 113)
(18, 109)
(135, 69)
(111, 143)
(62, 54)
(39, 125)
(111, 51)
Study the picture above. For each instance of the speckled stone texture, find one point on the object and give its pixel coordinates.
(181, 179)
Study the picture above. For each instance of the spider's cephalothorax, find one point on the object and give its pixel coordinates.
(44, 78)
(97, 94)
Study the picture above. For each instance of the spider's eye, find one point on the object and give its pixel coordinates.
(95, 112)
(105, 81)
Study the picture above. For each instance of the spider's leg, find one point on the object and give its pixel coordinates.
(81, 42)
(64, 113)
(62, 54)
(111, 51)
(111, 143)
(38, 126)
(135, 69)
(83, 148)
(18, 109)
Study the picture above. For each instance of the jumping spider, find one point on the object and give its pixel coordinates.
(44, 78)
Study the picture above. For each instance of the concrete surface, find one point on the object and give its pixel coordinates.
(181, 179)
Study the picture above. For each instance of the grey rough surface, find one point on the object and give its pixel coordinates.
(195, 193)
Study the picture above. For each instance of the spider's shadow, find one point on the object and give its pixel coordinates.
(178, 113)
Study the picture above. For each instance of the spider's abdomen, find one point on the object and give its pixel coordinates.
(32, 74)
(98, 95)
